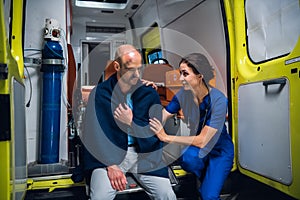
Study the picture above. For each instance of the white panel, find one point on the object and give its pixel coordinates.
(207, 38)
(146, 15)
(36, 13)
(20, 131)
(264, 129)
(18, 156)
(168, 10)
(84, 69)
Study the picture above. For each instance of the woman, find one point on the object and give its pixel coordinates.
(210, 153)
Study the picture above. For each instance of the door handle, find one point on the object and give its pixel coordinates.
(281, 81)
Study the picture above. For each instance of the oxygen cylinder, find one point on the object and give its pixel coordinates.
(52, 68)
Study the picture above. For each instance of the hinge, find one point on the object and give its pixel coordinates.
(3, 71)
(5, 132)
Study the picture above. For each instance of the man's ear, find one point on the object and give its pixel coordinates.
(116, 65)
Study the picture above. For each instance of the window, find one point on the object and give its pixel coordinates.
(154, 56)
(272, 28)
(151, 44)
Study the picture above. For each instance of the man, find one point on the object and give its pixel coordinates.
(122, 142)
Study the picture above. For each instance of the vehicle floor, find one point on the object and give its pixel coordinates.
(237, 187)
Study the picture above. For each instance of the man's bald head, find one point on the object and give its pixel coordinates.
(128, 64)
(126, 54)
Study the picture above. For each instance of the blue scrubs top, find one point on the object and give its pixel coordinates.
(211, 112)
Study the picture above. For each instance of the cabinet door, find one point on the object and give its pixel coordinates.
(264, 129)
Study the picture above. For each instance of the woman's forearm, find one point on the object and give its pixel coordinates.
(200, 140)
(185, 140)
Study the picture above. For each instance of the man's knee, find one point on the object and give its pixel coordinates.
(163, 191)
(102, 195)
(100, 187)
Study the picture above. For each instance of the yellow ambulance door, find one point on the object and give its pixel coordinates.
(13, 172)
(265, 80)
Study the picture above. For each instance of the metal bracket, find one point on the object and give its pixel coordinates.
(33, 61)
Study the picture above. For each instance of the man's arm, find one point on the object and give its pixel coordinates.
(146, 104)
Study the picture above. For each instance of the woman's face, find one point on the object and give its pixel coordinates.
(189, 79)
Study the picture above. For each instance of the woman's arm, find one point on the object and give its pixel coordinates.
(200, 140)
(204, 137)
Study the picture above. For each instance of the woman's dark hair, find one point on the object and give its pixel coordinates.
(199, 64)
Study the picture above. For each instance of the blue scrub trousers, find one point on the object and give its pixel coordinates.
(212, 170)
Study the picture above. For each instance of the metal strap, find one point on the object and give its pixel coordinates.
(53, 61)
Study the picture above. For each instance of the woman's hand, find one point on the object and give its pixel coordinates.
(158, 129)
(149, 83)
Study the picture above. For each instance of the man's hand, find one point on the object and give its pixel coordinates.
(123, 114)
(117, 178)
